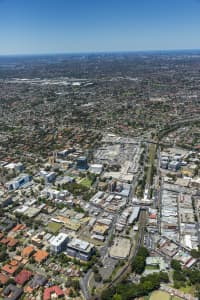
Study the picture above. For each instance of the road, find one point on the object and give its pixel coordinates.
(84, 284)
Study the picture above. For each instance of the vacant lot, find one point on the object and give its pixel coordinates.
(54, 227)
(158, 295)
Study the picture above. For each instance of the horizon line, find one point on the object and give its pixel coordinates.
(98, 52)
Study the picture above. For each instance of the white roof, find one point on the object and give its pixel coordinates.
(57, 240)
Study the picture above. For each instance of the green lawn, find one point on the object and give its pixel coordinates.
(54, 227)
(86, 182)
(152, 267)
(159, 295)
(176, 298)
(188, 290)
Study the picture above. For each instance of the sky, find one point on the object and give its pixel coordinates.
(68, 26)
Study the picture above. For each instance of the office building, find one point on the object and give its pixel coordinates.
(80, 249)
(59, 243)
(81, 163)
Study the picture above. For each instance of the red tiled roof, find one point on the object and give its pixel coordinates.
(23, 277)
(3, 278)
(4, 241)
(9, 241)
(51, 290)
(18, 227)
(12, 242)
(27, 251)
(13, 262)
(10, 269)
(40, 255)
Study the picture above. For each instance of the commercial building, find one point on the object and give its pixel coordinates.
(174, 165)
(80, 249)
(14, 167)
(59, 243)
(81, 163)
(64, 153)
(96, 169)
(134, 215)
(18, 182)
(48, 176)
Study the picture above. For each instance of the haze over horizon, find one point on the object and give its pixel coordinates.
(60, 26)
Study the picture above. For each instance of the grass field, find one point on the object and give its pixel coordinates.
(152, 267)
(188, 289)
(54, 227)
(176, 298)
(86, 182)
(159, 295)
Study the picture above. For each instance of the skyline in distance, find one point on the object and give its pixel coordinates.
(60, 26)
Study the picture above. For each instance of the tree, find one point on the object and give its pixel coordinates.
(143, 252)
(138, 264)
(108, 294)
(176, 265)
(179, 276)
(97, 277)
(164, 277)
(75, 284)
(95, 269)
(117, 297)
(195, 253)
